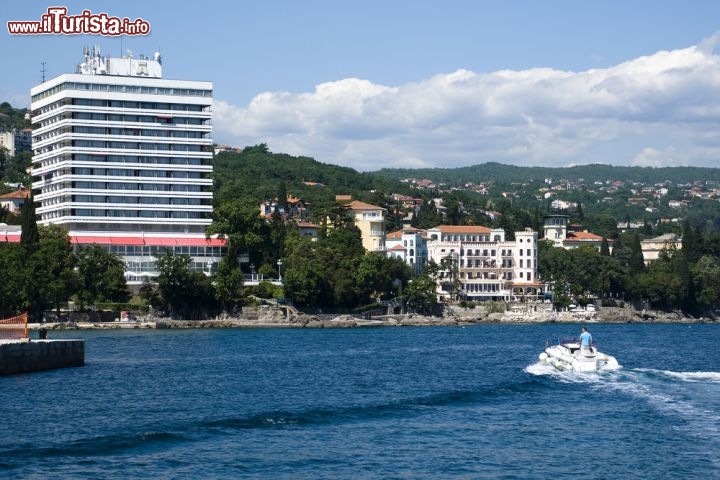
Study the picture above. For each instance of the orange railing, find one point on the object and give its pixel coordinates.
(14, 327)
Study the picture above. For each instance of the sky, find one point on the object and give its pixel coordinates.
(409, 84)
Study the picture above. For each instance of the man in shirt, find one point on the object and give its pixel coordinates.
(586, 342)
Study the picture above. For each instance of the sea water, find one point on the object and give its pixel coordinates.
(369, 403)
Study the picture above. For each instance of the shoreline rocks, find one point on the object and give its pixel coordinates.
(278, 318)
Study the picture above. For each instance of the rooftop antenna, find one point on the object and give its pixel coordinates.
(42, 71)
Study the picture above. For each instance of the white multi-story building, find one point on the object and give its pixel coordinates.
(410, 245)
(16, 141)
(478, 263)
(123, 158)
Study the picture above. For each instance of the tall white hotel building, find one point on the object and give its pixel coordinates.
(123, 159)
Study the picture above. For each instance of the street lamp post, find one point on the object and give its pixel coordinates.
(279, 264)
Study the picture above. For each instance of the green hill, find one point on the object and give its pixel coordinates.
(505, 174)
(12, 118)
(255, 174)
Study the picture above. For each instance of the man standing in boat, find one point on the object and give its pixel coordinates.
(586, 342)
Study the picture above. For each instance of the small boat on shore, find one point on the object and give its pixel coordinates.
(568, 356)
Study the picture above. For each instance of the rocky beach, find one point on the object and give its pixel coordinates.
(270, 317)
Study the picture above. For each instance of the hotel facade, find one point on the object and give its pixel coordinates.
(123, 159)
(476, 263)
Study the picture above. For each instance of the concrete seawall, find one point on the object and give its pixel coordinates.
(21, 356)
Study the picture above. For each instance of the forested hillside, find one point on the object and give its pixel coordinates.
(255, 174)
(12, 118)
(499, 173)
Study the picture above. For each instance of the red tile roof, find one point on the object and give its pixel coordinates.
(399, 233)
(20, 193)
(583, 236)
(358, 205)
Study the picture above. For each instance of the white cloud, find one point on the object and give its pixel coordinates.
(537, 116)
(651, 157)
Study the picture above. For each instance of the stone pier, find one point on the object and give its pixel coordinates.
(17, 356)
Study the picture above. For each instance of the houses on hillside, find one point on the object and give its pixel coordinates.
(475, 263)
(557, 229)
(14, 201)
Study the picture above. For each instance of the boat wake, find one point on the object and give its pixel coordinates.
(712, 377)
(689, 399)
(568, 376)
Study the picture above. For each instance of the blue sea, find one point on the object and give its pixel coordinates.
(371, 403)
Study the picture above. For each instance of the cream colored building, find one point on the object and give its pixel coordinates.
(370, 220)
(651, 247)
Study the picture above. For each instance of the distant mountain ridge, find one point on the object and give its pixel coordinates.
(502, 173)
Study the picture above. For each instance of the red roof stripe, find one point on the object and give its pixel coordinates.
(152, 241)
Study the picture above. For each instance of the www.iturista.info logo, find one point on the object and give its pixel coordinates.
(57, 22)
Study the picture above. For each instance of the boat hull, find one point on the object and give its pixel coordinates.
(572, 358)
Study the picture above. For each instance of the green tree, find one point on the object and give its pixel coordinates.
(282, 197)
(454, 215)
(50, 278)
(245, 230)
(4, 158)
(579, 212)
(375, 276)
(647, 228)
(342, 251)
(29, 237)
(229, 283)
(16, 168)
(449, 276)
(13, 264)
(7, 217)
(636, 262)
(304, 279)
(278, 232)
(149, 294)
(101, 275)
(706, 275)
(421, 294)
(427, 216)
(186, 293)
(561, 299)
(690, 243)
(605, 248)
(663, 290)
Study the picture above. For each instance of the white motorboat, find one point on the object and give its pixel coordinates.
(567, 355)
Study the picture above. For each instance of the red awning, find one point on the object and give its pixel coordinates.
(160, 242)
(185, 242)
(154, 241)
(90, 240)
(126, 241)
(10, 238)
